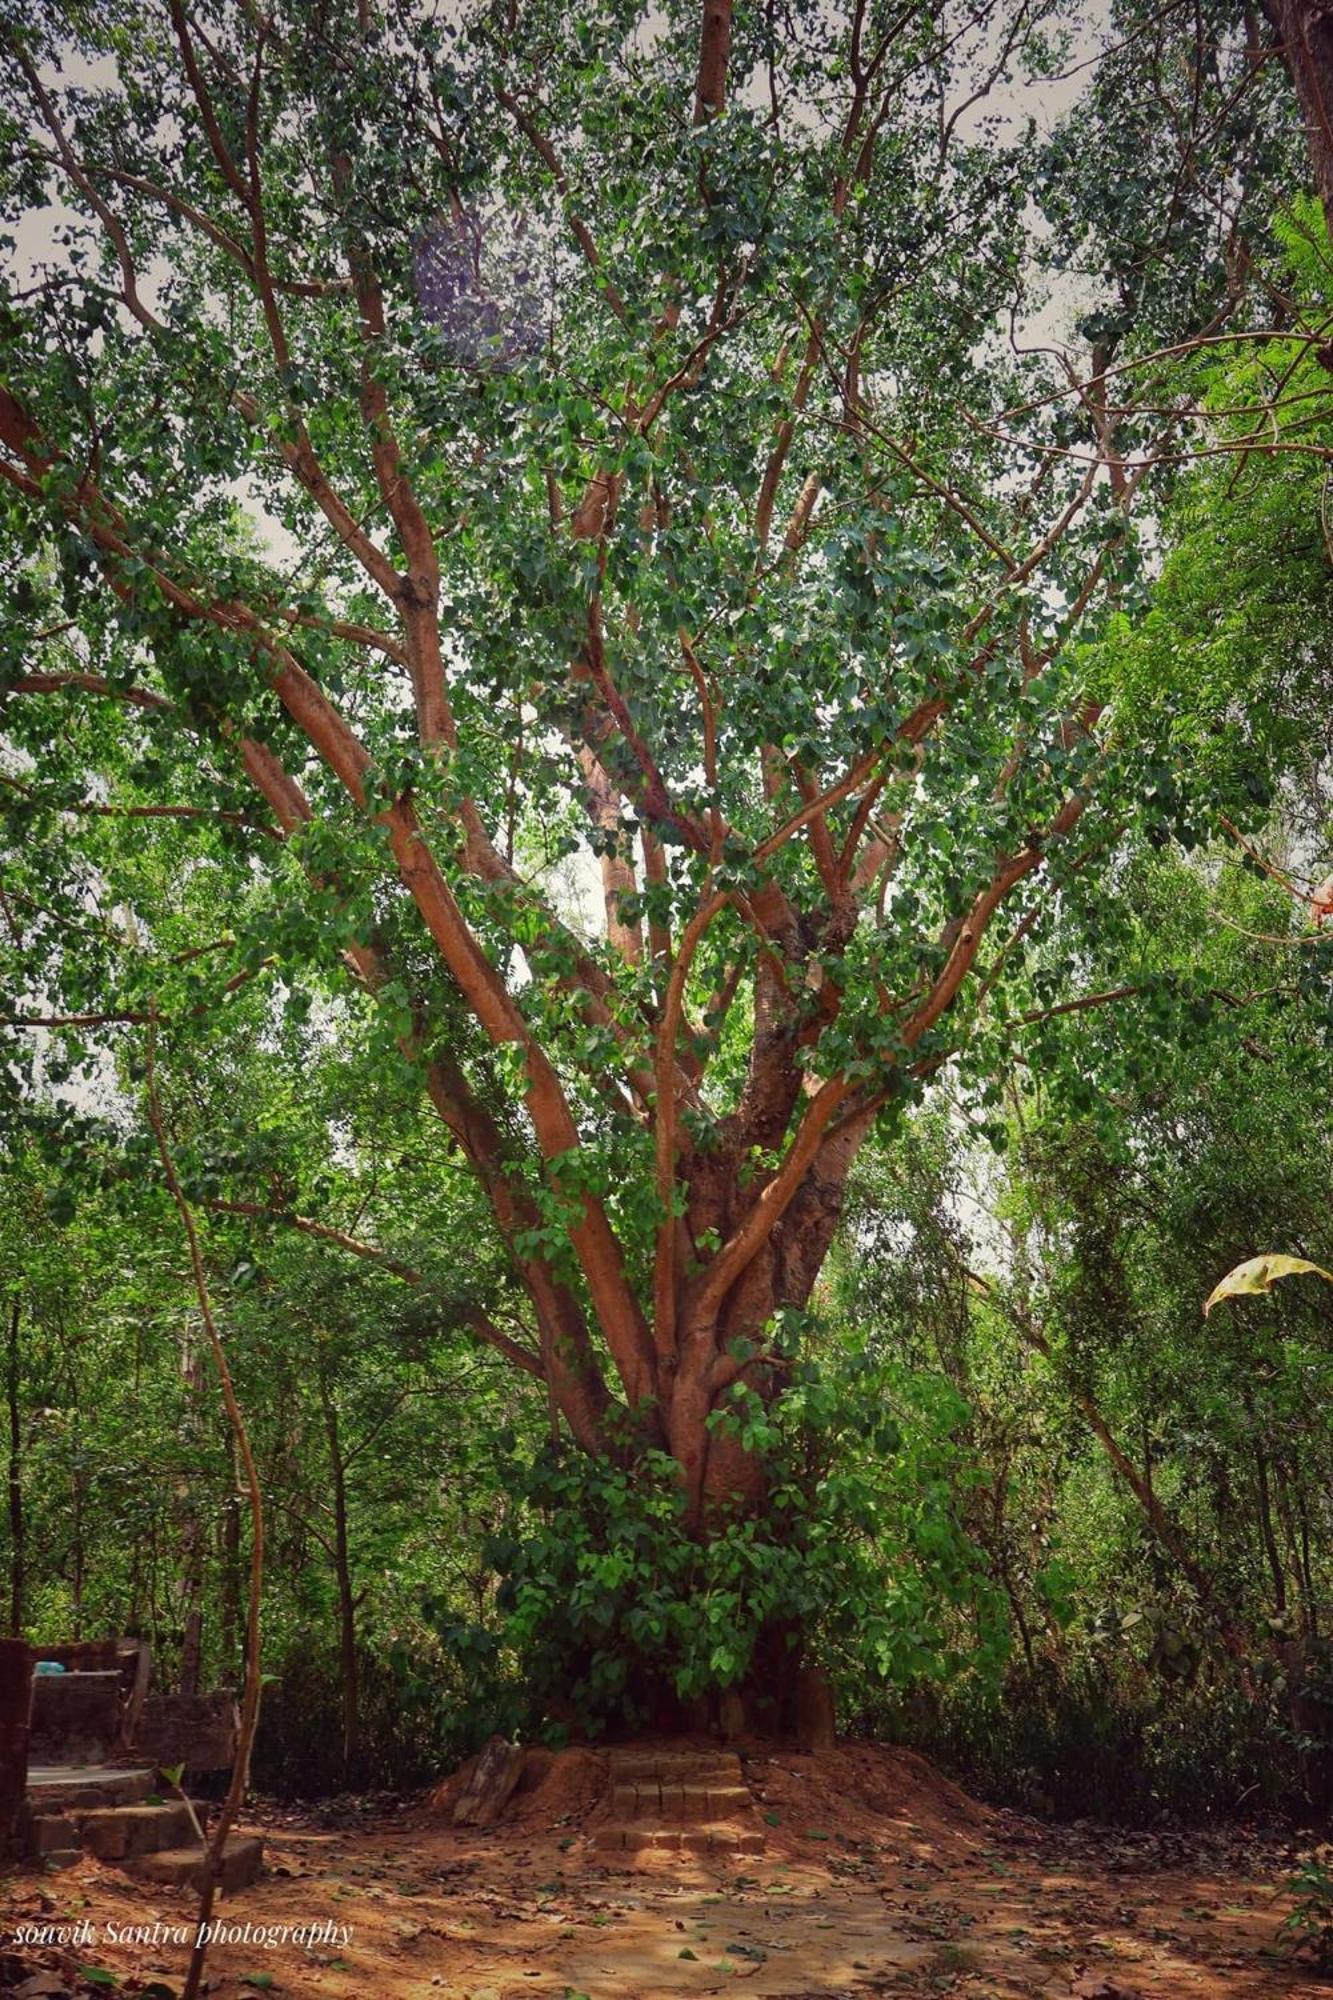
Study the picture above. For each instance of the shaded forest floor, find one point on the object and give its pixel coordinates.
(879, 1878)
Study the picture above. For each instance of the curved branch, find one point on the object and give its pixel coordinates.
(480, 1322)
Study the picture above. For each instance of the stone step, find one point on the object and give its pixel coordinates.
(119, 1833)
(53, 1789)
(183, 1867)
(51, 1833)
(716, 1838)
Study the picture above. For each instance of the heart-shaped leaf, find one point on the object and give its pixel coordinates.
(1257, 1274)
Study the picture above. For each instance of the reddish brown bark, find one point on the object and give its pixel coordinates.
(710, 90)
(1305, 33)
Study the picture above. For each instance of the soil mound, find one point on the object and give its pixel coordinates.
(859, 1792)
(559, 1787)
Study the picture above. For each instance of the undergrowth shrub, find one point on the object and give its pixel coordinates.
(1083, 1742)
(414, 1726)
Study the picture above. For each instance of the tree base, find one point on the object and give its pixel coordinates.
(797, 1707)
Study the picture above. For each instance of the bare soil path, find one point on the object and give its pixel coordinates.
(878, 1878)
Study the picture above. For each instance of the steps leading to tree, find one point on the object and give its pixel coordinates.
(683, 1801)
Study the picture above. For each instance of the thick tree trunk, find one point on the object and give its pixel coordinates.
(726, 1344)
(784, 1693)
(1305, 28)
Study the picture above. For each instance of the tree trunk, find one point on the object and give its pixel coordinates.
(351, 1692)
(16, 1522)
(1307, 1574)
(192, 1630)
(1275, 1568)
(230, 1616)
(1306, 31)
(1286, 1514)
(80, 1566)
(192, 1547)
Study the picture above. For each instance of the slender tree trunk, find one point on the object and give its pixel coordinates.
(192, 1630)
(1307, 1574)
(1274, 1559)
(999, 1552)
(230, 1615)
(135, 1622)
(79, 1485)
(351, 1693)
(250, 1694)
(192, 1548)
(16, 1521)
(1282, 1500)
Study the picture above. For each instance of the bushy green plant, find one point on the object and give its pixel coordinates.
(1307, 1929)
(619, 1614)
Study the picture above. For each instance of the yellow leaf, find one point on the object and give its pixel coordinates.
(1257, 1274)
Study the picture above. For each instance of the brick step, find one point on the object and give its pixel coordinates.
(717, 1838)
(684, 1804)
(685, 1767)
(183, 1867)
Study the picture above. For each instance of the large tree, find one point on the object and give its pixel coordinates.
(439, 445)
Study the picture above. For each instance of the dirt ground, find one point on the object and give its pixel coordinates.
(879, 1878)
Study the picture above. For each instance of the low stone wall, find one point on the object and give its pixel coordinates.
(196, 1730)
(76, 1717)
